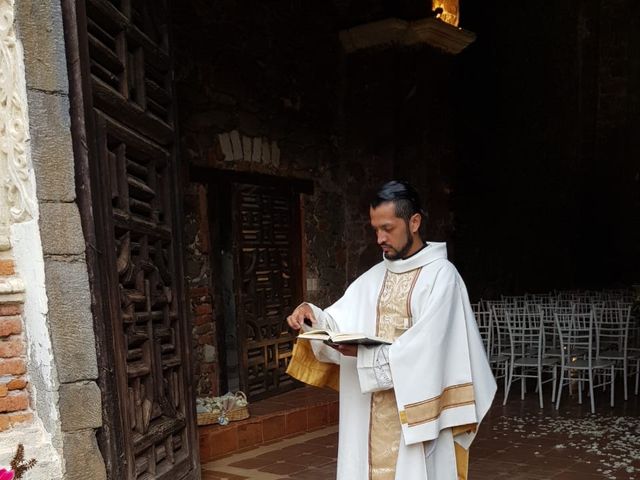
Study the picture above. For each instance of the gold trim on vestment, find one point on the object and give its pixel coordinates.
(462, 461)
(304, 366)
(393, 319)
(428, 410)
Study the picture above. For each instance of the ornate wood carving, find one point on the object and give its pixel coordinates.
(14, 166)
(127, 90)
(268, 278)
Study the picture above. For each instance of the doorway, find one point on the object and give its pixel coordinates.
(257, 244)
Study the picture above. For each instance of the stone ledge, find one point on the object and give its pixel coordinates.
(270, 424)
(394, 31)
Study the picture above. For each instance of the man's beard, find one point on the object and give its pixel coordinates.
(403, 251)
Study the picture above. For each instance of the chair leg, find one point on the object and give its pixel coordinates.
(508, 387)
(540, 388)
(506, 367)
(624, 372)
(580, 387)
(560, 388)
(637, 374)
(613, 376)
(553, 383)
(593, 402)
(523, 385)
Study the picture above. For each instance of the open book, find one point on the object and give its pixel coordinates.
(343, 338)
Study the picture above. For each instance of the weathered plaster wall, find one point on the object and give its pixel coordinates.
(49, 253)
(29, 418)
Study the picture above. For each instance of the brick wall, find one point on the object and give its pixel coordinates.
(14, 395)
(200, 291)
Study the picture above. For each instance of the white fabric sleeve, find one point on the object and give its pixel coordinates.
(374, 371)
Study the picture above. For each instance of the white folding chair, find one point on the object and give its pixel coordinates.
(612, 330)
(527, 339)
(576, 340)
(499, 362)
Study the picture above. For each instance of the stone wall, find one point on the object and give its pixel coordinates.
(268, 90)
(49, 252)
(251, 100)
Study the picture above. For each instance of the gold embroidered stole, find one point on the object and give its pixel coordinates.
(393, 319)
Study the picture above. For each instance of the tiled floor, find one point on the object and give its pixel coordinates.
(517, 442)
(311, 456)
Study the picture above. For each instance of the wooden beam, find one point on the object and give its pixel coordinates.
(394, 31)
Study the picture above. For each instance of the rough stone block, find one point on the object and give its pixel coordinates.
(236, 145)
(40, 31)
(225, 145)
(266, 152)
(61, 229)
(257, 149)
(71, 320)
(80, 406)
(246, 148)
(82, 456)
(275, 154)
(51, 148)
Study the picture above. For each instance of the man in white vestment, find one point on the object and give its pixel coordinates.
(409, 410)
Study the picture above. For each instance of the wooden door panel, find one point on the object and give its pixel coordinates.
(128, 97)
(268, 281)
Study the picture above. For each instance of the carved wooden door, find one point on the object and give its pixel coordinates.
(267, 253)
(126, 85)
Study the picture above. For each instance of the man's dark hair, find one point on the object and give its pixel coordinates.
(404, 197)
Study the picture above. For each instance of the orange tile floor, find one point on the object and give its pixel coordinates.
(516, 442)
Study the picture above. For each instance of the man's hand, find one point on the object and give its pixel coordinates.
(302, 312)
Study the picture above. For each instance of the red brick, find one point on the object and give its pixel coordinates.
(201, 320)
(7, 268)
(198, 292)
(334, 412)
(10, 309)
(249, 434)
(296, 422)
(208, 367)
(4, 390)
(205, 340)
(14, 366)
(10, 325)
(219, 442)
(203, 234)
(273, 427)
(12, 348)
(17, 384)
(14, 402)
(317, 417)
(7, 420)
(203, 309)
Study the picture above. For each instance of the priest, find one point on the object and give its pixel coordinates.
(409, 410)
